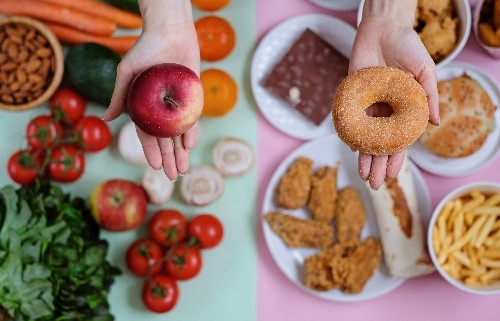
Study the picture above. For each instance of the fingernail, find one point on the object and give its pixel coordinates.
(439, 120)
(181, 174)
(104, 115)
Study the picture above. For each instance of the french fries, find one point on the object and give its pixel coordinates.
(466, 238)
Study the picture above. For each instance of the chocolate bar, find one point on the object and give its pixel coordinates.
(308, 75)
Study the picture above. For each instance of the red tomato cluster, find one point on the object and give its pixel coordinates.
(171, 253)
(57, 142)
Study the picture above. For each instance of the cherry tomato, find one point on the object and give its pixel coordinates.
(23, 166)
(43, 131)
(207, 229)
(67, 105)
(144, 257)
(167, 226)
(94, 133)
(67, 163)
(184, 262)
(160, 293)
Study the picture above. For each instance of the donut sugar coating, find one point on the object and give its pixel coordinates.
(380, 135)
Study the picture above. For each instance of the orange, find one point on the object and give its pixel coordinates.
(220, 90)
(216, 37)
(210, 5)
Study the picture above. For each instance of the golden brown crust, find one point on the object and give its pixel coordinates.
(297, 232)
(318, 274)
(380, 135)
(467, 117)
(294, 187)
(323, 194)
(350, 216)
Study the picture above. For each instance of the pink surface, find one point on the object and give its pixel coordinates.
(423, 298)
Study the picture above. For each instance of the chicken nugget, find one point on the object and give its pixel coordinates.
(350, 216)
(323, 194)
(295, 185)
(439, 37)
(297, 232)
(357, 266)
(318, 274)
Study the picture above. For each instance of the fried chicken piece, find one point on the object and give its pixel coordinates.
(297, 232)
(323, 194)
(318, 274)
(429, 9)
(350, 216)
(295, 185)
(357, 266)
(439, 36)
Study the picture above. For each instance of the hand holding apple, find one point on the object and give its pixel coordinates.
(118, 205)
(165, 100)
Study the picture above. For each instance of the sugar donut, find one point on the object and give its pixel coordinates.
(380, 135)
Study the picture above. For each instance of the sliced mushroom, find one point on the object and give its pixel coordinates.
(157, 185)
(201, 185)
(233, 156)
(130, 146)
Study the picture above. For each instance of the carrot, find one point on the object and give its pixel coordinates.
(119, 44)
(121, 17)
(58, 14)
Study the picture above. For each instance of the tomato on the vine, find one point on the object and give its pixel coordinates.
(67, 163)
(207, 229)
(144, 257)
(160, 293)
(167, 226)
(94, 133)
(23, 166)
(43, 131)
(184, 262)
(67, 105)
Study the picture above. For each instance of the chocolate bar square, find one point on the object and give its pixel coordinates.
(308, 76)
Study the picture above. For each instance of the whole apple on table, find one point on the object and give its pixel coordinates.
(165, 100)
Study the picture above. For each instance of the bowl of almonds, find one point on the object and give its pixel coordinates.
(31, 63)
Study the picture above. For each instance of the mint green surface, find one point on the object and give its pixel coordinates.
(226, 288)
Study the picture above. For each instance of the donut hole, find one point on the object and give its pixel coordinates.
(379, 109)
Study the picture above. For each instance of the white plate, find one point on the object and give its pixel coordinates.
(455, 167)
(270, 50)
(327, 151)
(342, 5)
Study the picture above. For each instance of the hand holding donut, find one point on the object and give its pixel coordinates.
(386, 37)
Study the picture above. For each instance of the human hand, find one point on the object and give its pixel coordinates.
(386, 37)
(168, 35)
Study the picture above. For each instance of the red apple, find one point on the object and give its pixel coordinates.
(118, 205)
(165, 100)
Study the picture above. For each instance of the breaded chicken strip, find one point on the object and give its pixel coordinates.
(294, 187)
(357, 266)
(323, 194)
(297, 232)
(318, 274)
(350, 216)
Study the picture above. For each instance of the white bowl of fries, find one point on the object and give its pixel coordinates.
(464, 238)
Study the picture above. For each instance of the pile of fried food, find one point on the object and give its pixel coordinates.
(489, 23)
(437, 24)
(337, 217)
(466, 238)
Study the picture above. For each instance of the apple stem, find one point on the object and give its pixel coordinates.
(173, 102)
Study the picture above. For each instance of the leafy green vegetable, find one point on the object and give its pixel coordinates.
(52, 262)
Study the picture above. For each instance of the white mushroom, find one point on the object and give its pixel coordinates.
(233, 156)
(157, 185)
(201, 185)
(130, 146)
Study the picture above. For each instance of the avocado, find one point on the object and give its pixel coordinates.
(129, 5)
(91, 69)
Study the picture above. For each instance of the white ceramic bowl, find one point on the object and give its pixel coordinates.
(485, 187)
(464, 15)
(493, 51)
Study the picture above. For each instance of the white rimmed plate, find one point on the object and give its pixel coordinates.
(455, 167)
(270, 50)
(340, 5)
(328, 151)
